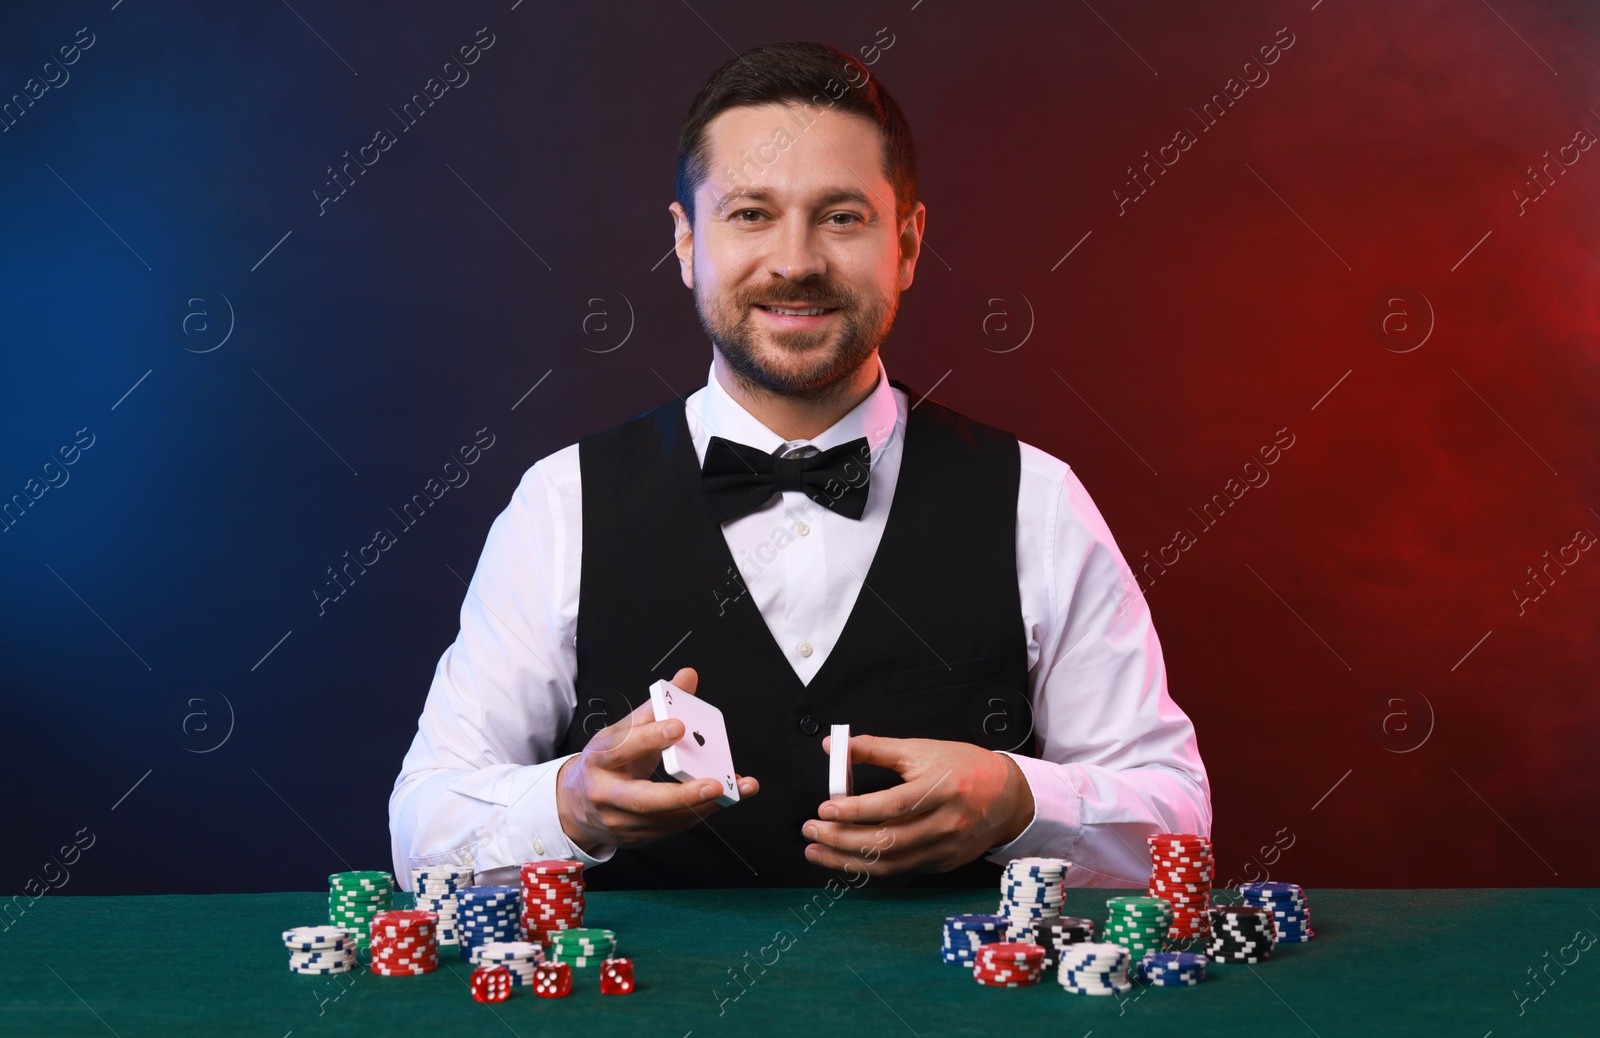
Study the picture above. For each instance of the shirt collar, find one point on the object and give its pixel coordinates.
(713, 412)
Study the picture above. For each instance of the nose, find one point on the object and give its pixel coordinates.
(795, 255)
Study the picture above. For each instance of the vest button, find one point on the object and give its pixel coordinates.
(808, 725)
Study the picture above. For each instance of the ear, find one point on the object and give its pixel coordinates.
(683, 243)
(911, 244)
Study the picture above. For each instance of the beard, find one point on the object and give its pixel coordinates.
(805, 364)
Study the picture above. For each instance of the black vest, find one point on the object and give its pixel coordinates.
(933, 648)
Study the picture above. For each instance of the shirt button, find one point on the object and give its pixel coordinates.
(804, 648)
(802, 528)
(538, 845)
(808, 725)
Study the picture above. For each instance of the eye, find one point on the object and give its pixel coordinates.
(742, 212)
(847, 216)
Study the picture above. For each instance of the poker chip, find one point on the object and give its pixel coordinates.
(1241, 933)
(1031, 891)
(436, 888)
(582, 947)
(486, 914)
(1288, 906)
(520, 958)
(315, 938)
(1056, 934)
(1092, 968)
(1009, 964)
(1171, 969)
(552, 897)
(354, 898)
(320, 950)
(1139, 924)
(404, 943)
(1180, 873)
(966, 935)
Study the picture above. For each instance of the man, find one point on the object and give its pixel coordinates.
(803, 542)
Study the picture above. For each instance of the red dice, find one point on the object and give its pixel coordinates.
(616, 977)
(552, 980)
(491, 984)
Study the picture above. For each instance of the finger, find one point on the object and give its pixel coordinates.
(918, 796)
(894, 754)
(748, 786)
(828, 858)
(643, 797)
(898, 839)
(686, 679)
(615, 749)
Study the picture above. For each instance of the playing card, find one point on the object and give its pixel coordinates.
(703, 751)
(841, 783)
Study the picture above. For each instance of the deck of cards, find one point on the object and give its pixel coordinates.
(703, 752)
(840, 782)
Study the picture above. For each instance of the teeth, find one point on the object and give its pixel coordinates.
(813, 312)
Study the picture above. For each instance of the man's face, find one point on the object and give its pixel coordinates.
(796, 218)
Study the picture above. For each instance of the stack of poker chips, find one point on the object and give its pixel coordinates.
(1031, 890)
(320, 949)
(1009, 964)
(1056, 935)
(1171, 969)
(520, 958)
(581, 947)
(966, 935)
(487, 914)
(1094, 969)
(404, 943)
(1291, 912)
(552, 898)
(355, 897)
(1241, 933)
(1139, 924)
(1180, 873)
(436, 887)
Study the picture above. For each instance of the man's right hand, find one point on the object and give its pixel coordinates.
(605, 796)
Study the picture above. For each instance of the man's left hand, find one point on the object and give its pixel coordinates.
(957, 801)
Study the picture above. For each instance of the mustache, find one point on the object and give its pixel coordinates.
(796, 304)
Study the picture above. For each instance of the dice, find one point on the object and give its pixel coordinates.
(552, 980)
(491, 984)
(616, 977)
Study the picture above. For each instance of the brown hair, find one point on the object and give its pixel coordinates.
(807, 74)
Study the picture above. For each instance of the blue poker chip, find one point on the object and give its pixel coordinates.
(976, 921)
(1267, 888)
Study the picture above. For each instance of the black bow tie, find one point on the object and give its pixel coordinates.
(739, 478)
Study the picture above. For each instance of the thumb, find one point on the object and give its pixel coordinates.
(686, 679)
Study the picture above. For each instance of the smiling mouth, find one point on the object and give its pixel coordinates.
(790, 311)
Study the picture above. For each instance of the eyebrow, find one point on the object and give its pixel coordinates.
(762, 195)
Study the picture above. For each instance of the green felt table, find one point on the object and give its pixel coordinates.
(1425, 962)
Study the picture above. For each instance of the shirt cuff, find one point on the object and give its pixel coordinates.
(1056, 825)
(534, 826)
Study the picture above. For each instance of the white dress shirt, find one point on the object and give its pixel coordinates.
(1117, 757)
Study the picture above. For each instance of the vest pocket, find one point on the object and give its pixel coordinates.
(939, 676)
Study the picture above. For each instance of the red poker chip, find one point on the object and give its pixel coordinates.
(553, 867)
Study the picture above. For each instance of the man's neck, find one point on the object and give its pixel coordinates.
(796, 419)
